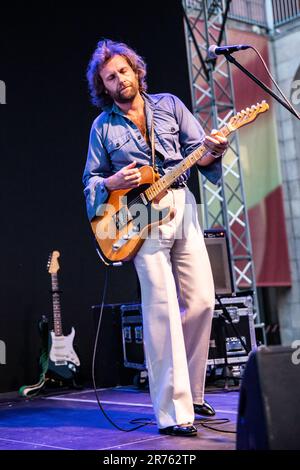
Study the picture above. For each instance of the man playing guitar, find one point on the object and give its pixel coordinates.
(172, 263)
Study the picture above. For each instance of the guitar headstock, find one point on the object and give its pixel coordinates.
(52, 265)
(247, 115)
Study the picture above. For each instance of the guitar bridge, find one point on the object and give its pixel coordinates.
(124, 239)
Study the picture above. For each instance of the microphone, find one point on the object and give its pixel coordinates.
(214, 51)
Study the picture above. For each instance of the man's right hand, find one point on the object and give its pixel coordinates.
(127, 177)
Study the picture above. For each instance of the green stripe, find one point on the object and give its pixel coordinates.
(260, 159)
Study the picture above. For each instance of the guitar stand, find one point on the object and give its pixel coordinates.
(29, 391)
(47, 383)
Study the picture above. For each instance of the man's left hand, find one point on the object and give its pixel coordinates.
(215, 143)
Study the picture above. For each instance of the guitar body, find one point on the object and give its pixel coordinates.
(128, 219)
(63, 361)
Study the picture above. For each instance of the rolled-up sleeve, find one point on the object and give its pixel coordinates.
(96, 169)
(191, 136)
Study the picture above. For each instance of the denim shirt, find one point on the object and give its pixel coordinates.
(115, 141)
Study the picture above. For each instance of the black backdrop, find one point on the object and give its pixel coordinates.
(44, 134)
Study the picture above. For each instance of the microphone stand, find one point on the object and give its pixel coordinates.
(259, 83)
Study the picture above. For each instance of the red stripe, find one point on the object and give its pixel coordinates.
(269, 241)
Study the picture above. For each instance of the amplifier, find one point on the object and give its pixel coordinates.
(222, 333)
(216, 243)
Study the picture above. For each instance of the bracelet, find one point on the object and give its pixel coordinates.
(215, 154)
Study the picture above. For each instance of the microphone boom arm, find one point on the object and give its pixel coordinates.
(259, 83)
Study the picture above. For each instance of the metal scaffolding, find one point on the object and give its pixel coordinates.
(213, 104)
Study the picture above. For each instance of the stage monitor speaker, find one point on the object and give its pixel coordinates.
(269, 412)
(218, 252)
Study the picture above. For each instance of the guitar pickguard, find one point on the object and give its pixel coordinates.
(63, 360)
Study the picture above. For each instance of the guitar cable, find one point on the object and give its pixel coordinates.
(94, 361)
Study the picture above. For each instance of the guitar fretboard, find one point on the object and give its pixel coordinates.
(57, 325)
(167, 180)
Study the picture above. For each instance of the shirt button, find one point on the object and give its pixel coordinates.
(172, 129)
(117, 144)
(139, 137)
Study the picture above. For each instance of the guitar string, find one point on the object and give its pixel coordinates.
(189, 156)
(134, 201)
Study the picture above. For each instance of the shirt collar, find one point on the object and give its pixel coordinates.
(113, 108)
(149, 100)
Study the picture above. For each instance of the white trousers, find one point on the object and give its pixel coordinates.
(177, 303)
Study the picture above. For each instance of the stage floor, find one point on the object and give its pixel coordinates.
(73, 421)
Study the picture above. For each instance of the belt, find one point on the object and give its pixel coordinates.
(177, 185)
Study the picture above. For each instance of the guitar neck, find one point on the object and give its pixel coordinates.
(167, 180)
(57, 325)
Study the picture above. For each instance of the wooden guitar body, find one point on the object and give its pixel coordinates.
(128, 219)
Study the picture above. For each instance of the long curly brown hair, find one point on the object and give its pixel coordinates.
(106, 49)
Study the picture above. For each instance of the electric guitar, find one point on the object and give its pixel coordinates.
(63, 362)
(130, 214)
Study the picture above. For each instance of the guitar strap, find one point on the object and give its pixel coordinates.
(152, 143)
